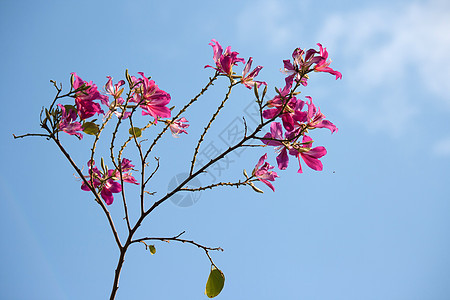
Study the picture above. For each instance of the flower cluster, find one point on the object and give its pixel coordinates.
(85, 95)
(108, 181)
(305, 62)
(297, 116)
(290, 118)
(144, 92)
(295, 120)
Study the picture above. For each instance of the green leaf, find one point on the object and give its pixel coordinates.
(70, 107)
(215, 282)
(137, 131)
(152, 249)
(90, 128)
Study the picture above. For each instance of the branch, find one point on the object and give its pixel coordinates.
(97, 197)
(31, 134)
(202, 188)
(177, 239)
(227, 96)
(211, 80)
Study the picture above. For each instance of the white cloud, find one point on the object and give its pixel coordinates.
(388, 54)
(442, 147)
(386, 43)
(391, 53)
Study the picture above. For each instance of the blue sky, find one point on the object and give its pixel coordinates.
(374, 224)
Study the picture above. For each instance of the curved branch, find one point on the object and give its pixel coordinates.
(227, 96)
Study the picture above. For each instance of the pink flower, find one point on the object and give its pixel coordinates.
(300, 66)
(224, 61)
(114, 91)
(308, 154)
(247, 79)
(109, 187)
(126, 167)
(106, 182)
(261, 171)
(152, 100)
(85, 96)
(322, 65)
(275, 138)
(68, 124)
(95, 174)
(316, 119)
(286, 112)
(177, 127)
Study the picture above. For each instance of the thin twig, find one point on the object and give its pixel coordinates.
(177, 239)
(211, 82)
(156, 169)
(97, 197)
(211, 186)
(202, 136)
(31, 134)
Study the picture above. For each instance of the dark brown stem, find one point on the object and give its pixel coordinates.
(211, 186)
(97, 197)
(177, 239)
(117, 272)
(211, 82)
(30, 134)
(227, 96)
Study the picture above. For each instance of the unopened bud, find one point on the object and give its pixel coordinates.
(255, 188)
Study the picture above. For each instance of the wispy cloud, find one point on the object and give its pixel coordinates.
(393, 53)
(394, 57)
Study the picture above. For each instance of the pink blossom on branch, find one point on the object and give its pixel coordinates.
(126, 168)
(224, 61)
(114, 89)
(316, 119)
(304, 64)
(109, 187)
(261, 171)
(300, 66)
(178, 126)
(84, 98)
(275, 138)
(310, 155)
(287, 111)
(106, 182)
(116, 92)
(247, 78)
(323, 64)
(68, 124)
(151, 99)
